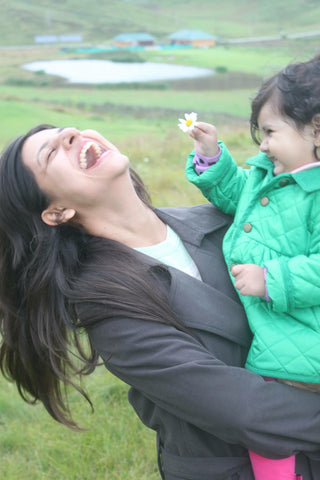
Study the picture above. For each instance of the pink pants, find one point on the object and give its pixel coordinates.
(268, 469)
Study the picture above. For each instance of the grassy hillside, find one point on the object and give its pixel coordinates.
(99, 21)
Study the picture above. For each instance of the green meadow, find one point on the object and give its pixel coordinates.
(142, 121)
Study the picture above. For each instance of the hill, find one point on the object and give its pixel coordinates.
(99, 21)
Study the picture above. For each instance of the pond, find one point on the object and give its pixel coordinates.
(105, 71)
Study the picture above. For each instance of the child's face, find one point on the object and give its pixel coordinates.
(286, 146)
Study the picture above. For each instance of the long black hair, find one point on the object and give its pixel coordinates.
(294, 93)
(45, 272)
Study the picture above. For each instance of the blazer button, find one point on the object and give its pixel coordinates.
(264, 201)
(284, 183)
(247, 227)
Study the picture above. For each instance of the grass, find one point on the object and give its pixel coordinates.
(156, 147)
(161, 103)
(21, 115)
(114, 446)
(246, 59)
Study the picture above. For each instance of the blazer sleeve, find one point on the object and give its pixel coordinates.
(175, 371)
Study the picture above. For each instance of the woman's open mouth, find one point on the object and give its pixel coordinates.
(90, 154)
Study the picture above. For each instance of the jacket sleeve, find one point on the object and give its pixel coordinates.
(222, 183)
(174, 371)
(295, 282)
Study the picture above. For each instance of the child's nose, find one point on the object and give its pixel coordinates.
(264, 146)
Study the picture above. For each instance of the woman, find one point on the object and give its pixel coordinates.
(81, 247)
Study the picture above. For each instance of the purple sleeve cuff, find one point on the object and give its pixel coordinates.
(202, 163)
(266, 297)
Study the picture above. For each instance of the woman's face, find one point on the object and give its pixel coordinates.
(74, 168)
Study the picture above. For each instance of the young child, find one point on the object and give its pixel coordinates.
(273, 246)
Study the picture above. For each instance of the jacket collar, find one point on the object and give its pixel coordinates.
(308, 180)
(192, 224)
(202, 228)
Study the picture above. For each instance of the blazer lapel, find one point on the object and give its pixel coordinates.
(201, 306)
(202, 228)
(218, 307)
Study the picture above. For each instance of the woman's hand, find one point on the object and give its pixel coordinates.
(205, 139)
(249, 279)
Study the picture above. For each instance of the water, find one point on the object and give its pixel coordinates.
(104, 71)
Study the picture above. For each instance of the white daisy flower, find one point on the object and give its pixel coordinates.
(189, 122)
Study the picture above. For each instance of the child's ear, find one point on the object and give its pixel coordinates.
(316, 129)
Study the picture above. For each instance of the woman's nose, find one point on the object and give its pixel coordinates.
(69, 136)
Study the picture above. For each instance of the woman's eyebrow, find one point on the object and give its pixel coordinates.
(44, 145)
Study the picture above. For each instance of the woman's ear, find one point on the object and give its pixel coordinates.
(54, 216)
(316, 129)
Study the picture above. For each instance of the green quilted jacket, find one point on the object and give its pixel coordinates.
(276, 225)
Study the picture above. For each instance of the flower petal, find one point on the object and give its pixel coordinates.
(193, 116)
(183, 127)
(189, 123)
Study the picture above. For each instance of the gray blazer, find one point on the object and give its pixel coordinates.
(190, 388)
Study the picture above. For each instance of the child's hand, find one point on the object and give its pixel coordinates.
(205, 139)
(249, 279)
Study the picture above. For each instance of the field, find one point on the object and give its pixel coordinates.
(142, 121)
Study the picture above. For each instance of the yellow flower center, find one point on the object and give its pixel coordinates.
(189, 122)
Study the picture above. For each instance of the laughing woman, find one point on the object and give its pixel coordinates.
(82, 249)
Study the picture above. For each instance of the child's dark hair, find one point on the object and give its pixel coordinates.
(294, 93)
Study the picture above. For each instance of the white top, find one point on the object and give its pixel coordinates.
(172, 252)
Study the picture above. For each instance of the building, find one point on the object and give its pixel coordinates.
(69, 38)
(193, 38)
(139, 39)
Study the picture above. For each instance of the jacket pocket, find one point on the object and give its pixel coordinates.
(175, 467)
